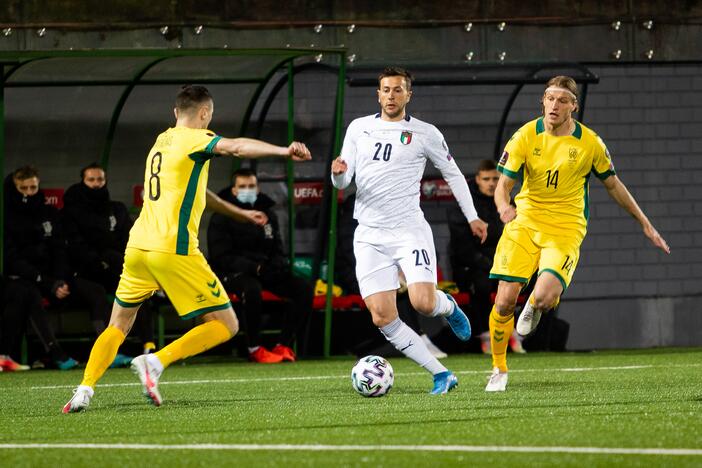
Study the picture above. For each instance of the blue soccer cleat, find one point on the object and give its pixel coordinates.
(121, 361)
(458, 321)
(68, 364)
(444, 382)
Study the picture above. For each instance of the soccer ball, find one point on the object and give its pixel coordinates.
(372, 376)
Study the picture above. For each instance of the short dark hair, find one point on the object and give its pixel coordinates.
(396, 71)
(486, 165)
(92, 165)
(25, 172)
(192, 96)
(242, 172)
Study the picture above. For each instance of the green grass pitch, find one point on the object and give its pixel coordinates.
(614, 408)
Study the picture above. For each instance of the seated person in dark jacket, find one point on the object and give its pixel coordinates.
(35, 251)
(248, 259)
(97, 230)
(470, 260)
(20, 308)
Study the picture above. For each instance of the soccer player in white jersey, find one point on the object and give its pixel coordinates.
(386, 153)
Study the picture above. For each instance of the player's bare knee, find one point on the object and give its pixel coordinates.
(544, 301)
(424, 305)
(505, 306)
(381, 319)
(233, 326)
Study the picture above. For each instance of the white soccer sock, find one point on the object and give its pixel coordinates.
(411, 345)
(443, 306)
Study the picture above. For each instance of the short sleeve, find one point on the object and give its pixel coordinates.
(602, 165)
(202, 144)
(514, 155)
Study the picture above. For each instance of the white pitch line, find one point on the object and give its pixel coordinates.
(334, 377)
(368, 448)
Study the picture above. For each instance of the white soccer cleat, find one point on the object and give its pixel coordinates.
(80, 401)
(433, 349)
(148, 375)
(497, 382)
(515, 343)
(528, 320)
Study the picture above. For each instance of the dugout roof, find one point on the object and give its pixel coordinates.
(127, 69)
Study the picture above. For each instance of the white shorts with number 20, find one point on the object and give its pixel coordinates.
(380, 251)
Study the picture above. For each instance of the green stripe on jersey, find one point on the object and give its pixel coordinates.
(586, 199)
(183, 239)
(511, 279)
(511, 174)
(205, 310)
(540, 125)
(605, 174)
(211, 145)
(557, 275)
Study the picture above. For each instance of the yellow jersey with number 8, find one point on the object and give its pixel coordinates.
(555, 173)
(175, 183)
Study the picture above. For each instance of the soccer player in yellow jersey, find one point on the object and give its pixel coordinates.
(555, 155)
(162, 252)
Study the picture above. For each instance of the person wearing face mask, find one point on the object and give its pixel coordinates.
(249, 258)
(36, 266)
(97, 231)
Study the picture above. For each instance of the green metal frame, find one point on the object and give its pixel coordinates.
(289, 170)
(331, 255)
(18, 59)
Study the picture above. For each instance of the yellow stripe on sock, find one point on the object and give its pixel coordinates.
(102, 355)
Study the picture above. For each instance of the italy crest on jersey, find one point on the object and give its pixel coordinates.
(406, 138)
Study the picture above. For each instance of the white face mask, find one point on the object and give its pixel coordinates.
(247, 195)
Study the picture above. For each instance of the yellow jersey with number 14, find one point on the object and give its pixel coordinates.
(555, 172)
(175, 183)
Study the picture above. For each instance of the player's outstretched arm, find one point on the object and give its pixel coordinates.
(618, 191)
(503, 195)
(223, 207)
(250, 148)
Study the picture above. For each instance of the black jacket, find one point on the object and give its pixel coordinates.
(236, 247)
(345, 266)
(35, 248)
(465, 250)
(96, 229)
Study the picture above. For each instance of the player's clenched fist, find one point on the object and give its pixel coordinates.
(299, 152)
(339, 166)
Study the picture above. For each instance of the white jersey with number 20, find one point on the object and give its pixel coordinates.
(388, 160)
